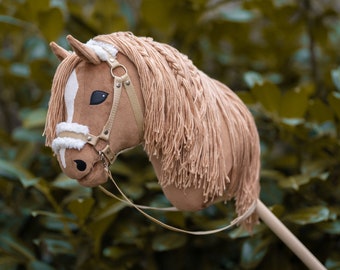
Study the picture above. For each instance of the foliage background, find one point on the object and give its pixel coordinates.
(280, 56)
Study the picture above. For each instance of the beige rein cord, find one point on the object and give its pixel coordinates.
(140, 208)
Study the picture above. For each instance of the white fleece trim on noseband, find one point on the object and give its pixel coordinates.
(102, 49)
(73, 127)
(66, 142)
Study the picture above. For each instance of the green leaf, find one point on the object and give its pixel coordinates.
(335, 73)
(268, 95)
(116, 252)
(65, 182)
(107, 20)
(253, 251)
(240, 232)
(272, 174)
(55, 244)
(98, 229)
(51, 23)
(314, 168)
(27, 135)
(38, 265)
(252, 78)
(333, 261)
(295, 181)
(37, 50)
(37, 6)
(34, 118)
(319, 111)
(176, 218)
(24, 155)
(292, 121)
(162, 10)
(9, 262)
(46, 214)
(12, 21)
(20, 70)
(121, 168)
(26, 178)
(81, 208)
(168, 241)
(334, 102)
(238, 15)
(309, 215)
(60, 223)
(17, 246)
(332, 227)
(133, 191)
(62, 181)
(110, 209)
(293, 104)
(246, 97)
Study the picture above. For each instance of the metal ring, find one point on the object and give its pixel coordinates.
(113, 68)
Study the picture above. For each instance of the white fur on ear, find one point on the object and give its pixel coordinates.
(102, 49)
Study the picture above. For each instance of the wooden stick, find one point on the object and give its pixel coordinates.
(288, 238)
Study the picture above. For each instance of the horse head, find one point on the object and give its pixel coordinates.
(96, 118)
(118, 91)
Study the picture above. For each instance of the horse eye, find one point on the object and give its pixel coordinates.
(98, 97)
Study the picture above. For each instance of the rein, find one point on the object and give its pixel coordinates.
(140, 208)
(107, 156)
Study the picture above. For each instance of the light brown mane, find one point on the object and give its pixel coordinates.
(56, 105)
(184, 112)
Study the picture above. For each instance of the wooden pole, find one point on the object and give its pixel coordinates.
(288, 237)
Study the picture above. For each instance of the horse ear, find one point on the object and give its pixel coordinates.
(83, 51)
(59, 52)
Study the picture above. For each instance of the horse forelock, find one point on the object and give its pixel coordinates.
(56, 107)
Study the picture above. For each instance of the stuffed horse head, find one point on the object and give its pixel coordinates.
(118, 91)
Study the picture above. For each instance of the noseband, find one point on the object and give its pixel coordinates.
(120, 82)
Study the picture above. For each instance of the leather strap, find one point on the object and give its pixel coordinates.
(137, 110)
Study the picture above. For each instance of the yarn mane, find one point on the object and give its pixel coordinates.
(184, 109)
(184, 112)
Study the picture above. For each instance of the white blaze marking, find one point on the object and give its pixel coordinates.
(62, 156)
(69, 97)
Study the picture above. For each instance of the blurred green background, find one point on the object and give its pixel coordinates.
(281, 57)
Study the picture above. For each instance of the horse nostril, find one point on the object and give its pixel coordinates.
(81, 165)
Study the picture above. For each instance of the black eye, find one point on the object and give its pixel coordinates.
(98, 97)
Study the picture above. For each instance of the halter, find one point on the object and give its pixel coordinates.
(120, 82)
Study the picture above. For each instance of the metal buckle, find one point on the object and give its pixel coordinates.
(103, 159)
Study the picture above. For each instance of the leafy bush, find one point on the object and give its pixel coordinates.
(280, 56)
